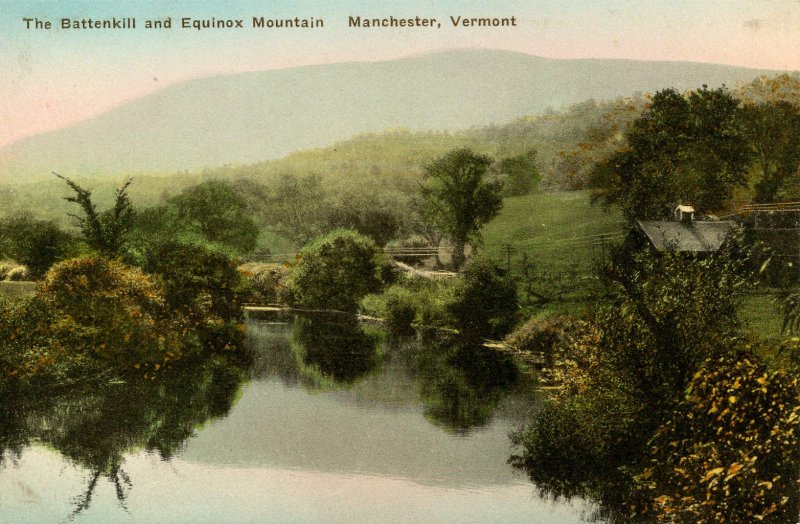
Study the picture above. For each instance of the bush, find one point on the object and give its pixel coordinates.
(485, 301)
(401, 309)
(730, 449)
(202, 286)
(573, 444)
(336, 271)
(266, 283)
(97, 310)
(36, 244)
(568, 347)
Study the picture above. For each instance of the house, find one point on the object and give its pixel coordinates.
(686, 234)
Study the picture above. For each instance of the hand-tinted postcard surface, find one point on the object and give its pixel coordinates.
(369, 261)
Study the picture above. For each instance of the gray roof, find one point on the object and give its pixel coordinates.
(686, 236)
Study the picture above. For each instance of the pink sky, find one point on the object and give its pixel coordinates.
(52, 78)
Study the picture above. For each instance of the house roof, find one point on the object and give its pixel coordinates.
(686, 236)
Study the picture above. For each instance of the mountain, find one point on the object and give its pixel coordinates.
(248, 117)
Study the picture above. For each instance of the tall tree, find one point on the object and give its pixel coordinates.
(683, 149)
(216, 212)
(773, 129)
(103, 231)
(458, 198)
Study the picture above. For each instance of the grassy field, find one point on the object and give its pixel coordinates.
(761, 314)
(557, 241)
(554, 230)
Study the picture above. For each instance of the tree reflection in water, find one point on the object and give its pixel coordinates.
(461, 385)
(334, 353)
(94, 428)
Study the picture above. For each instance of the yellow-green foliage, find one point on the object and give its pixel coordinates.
(112, 312)
(730, 450)
(569, 348)
(10, 270)
(265, 283)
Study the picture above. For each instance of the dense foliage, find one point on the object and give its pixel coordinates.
(620, 377)
(201, 286)
(772, 129)
(335, 271)
(36, 244)
(681, 150)
(729, 450)
(216, 213)
(520, 173)
(91, 314)
(484, 303)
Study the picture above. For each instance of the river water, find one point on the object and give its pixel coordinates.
(332, 422)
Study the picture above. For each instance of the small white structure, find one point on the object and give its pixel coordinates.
(684, 213)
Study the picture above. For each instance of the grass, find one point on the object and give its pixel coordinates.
(16, 290)
(762, 315)
(554, 230)
(557, 241)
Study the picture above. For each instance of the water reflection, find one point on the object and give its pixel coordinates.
(334, 352)
(95, 428)
(386, 408)
(461, 385)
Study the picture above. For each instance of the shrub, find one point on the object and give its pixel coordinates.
(573, 444)
(100, 309)
(36, 244)
(266, 283)
(730, 449)
(202, 286)
(485, 301)
(568, 347)
(536, 335)
(401, 309)
(336, 271)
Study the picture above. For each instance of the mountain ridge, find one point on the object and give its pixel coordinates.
(253, 116)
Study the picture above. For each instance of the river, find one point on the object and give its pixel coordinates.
(330, 422)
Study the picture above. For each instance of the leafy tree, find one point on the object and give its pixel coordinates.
(214, 211)
(622, 378)
(773, 129)
(104, 231)
(521, 173)
(681, 150)
(335, 271)
(37, 244)
(458, 199)
(201, 286)
(294, 205)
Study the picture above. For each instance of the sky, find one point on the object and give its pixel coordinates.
(50, 78)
